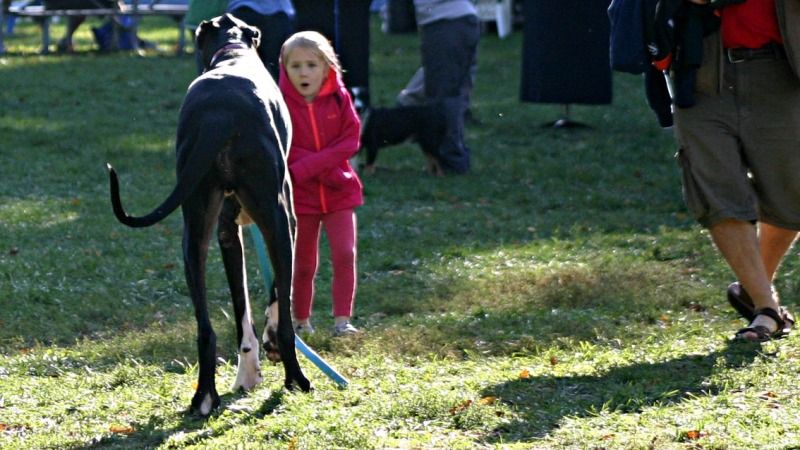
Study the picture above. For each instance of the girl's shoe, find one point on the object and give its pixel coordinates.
(304, 329)
(345, 328)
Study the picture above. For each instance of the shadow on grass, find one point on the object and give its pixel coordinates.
(152, 434)
(542, 402)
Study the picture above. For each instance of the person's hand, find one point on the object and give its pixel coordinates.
(335, 178)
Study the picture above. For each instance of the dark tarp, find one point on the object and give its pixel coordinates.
(565, 52)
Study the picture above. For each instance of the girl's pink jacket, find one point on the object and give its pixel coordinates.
(325, 134)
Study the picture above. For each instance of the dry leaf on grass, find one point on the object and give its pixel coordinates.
(489, 400)
(121, 429)
(460, 407)
(693, 435)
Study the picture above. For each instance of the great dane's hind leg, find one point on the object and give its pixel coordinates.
(230, 243)
(280, 248)
(272, 220)
(199, 214)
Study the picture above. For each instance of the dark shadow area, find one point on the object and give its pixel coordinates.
(152, 434)
(542, 402)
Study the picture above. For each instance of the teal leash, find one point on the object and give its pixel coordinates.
(266, 275)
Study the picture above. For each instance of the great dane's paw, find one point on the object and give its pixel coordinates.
(249, 369)
(298, 380)
(205, 402)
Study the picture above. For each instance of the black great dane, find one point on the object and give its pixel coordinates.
(233, 137)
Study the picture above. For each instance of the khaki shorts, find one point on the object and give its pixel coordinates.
(740, 150)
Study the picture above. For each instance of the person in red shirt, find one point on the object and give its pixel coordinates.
(326, 189)
(738, 152)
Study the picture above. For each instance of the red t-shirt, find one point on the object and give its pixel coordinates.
(752, 24)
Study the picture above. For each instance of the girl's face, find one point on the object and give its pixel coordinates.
(307, 71)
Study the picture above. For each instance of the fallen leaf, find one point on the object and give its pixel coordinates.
(460, 407)
(3, 426)
(607, 437)
(525, 374)
(693, 435)
(121, 429)
(489, 400)
(553, 360)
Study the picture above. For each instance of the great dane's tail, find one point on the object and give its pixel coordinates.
(208, 144)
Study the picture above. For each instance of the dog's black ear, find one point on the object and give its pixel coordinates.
(202, 31)
(253, 34)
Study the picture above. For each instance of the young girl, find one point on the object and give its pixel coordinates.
(326, 132)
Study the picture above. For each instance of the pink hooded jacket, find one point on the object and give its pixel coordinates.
(325, 135)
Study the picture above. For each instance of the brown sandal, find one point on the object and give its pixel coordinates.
(763, 334)
(743, 304)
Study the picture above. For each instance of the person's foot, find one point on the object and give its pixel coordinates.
(303, 328)
(741, 301)
(344, 329)
(766, 325)
(64, 46)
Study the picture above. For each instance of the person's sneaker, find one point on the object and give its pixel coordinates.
(303, 328)
(345, 328)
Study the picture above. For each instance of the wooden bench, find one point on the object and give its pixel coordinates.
(156, 8)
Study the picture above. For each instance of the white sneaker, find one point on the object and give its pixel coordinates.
(345, 328)
(304, 329)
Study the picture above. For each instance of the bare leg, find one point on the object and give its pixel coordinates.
(739, 244)
(774, 243)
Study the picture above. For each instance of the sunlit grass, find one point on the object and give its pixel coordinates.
(44, 213)
(557, 297)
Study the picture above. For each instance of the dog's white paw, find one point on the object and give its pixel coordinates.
(249, 368)
(207, 405)
(249, 373)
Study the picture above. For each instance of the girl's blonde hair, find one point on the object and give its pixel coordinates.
(314, 41)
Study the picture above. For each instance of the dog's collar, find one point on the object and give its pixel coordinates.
(227, 48)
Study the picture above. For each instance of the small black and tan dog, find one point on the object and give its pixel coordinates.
(385, 127)
(232, 141)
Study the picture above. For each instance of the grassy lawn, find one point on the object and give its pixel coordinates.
(558, 296)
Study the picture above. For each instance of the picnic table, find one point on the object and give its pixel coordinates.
(135, 8)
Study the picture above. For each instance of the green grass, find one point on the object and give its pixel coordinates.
(558, 296)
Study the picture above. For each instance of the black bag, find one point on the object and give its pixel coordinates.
(80, 4)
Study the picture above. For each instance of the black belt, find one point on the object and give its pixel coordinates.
(771, 51)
